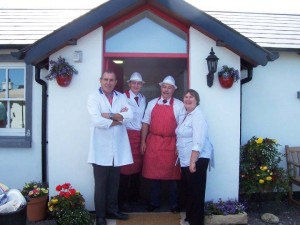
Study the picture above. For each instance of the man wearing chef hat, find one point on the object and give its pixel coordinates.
(129, 191)
(158, 144)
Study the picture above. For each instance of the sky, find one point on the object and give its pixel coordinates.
(266, 6)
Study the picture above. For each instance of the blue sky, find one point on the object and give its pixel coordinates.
(277, 6)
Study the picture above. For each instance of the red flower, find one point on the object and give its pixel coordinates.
(72, 191)
(58, 188)
(62, 193)
(67, 195)
(66, 185)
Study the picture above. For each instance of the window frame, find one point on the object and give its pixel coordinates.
(23, 141)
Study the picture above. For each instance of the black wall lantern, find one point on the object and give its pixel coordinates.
(212, 63)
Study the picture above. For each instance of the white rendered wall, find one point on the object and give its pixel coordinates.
(68, 120)
(21, 165)
(270, 107)
(222, 109)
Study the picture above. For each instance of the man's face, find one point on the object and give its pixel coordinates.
(135, 86)
(108, 82)
(167, 90)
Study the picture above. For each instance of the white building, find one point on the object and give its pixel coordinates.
(156, 38)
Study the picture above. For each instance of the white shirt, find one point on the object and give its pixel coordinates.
(138, 111)
(178, 108)
(108, 145)
(192, 134)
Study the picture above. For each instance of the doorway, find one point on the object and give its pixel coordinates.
(153, 71)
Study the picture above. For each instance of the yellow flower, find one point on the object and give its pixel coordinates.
(257, 175)
(51, 208)
(271, 173)
(263, 168)
(269, 178)
(261, 181)
(54, 201)
(259, 140)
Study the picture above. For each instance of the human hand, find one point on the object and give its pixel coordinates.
(192, 167)
(143, 148)
(105, 115)
(125, 109)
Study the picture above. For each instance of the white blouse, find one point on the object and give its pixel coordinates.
(137, 109)
(192, 134)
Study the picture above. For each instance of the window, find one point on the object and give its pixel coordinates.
(15, 104)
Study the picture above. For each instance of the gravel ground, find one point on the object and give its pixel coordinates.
(287, 214)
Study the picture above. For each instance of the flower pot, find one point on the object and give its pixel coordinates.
(241, 218)
(64, 80)
(37, 208)
(226, 82)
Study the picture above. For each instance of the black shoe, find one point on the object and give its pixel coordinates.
(151, 208)
(101, 221)
(175, 209)
(125, 208)
(117, 216)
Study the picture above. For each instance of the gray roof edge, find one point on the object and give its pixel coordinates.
(220, 31)
(57, 39)
(215, 29)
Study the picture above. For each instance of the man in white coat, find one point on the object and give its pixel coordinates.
(109, 146)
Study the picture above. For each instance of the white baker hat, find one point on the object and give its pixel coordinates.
(168, 80)
(136, 77)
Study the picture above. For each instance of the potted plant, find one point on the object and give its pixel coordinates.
(36, 194)
(260, 170)
(228, 75)
(62, 71)
(225, 212)
(68, 206)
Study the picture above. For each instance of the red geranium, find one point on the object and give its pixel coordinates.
(66, 199)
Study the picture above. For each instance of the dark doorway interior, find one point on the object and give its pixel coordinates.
(153, 71)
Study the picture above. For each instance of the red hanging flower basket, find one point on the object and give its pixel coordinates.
(226, 82)
(64, 80)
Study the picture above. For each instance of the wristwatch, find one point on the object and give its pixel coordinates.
(111, 116)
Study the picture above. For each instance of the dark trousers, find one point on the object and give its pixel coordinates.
(107, 180)
(155, 193)
(129, 190)
(194, 186)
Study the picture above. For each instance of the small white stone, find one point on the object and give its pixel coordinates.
(269, 218)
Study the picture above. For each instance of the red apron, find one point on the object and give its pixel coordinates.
(160, 155)
(135, 143)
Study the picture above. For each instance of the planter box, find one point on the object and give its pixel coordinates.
(241, 218)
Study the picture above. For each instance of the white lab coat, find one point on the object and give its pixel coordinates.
(108, 145)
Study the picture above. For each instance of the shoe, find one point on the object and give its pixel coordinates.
(175, 209)
(101, 221)
(117, 216)
(125, 208)
(151, 208)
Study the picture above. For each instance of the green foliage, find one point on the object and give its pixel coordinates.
(259, 167)
(76, 216)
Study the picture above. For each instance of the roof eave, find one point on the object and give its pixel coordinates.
(60, 38)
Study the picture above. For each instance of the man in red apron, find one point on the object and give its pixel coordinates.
(158, 144)
(129, 191)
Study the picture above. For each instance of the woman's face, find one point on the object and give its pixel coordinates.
(190, 102)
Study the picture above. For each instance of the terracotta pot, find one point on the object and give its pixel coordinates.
(226, 82)
(37, 208)
(64, 80)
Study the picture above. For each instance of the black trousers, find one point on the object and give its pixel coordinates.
(129, 190)
(107, 180)
(194, 188)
